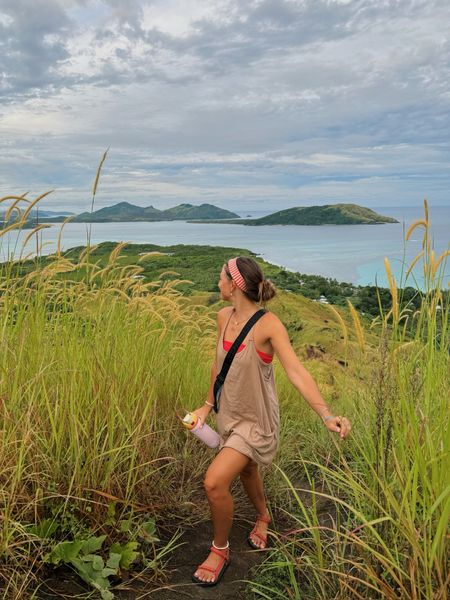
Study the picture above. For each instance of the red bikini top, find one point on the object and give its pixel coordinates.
(267, 358)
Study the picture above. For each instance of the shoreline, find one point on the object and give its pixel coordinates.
(261, 255)
(195, 269)
(347, 255)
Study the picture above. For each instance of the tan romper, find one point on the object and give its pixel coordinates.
(248, 417)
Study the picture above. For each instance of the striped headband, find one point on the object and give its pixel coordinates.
(236, 275)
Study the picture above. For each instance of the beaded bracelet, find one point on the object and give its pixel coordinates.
(325, 419)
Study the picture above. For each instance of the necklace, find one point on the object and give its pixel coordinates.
(243, 320)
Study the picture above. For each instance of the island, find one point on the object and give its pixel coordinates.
(124, 211)
(328, 214)
(38, 214)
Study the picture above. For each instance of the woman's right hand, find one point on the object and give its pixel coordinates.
(202, 413)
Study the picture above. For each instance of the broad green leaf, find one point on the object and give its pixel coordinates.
(113, 561)
(95, 578)
(98, 564)
(65, 552)
(93, 544)
(127, 553)
(107, 572)
(84, 569)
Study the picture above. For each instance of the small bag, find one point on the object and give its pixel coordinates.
(220, 379)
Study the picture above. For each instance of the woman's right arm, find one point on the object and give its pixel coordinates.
(204, 410)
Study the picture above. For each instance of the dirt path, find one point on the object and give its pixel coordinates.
(235, 582)
(194, 546)
(182, 562)
(195, 549)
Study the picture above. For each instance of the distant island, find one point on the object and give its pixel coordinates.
(328, 214)
(124, 211)
(38, 214)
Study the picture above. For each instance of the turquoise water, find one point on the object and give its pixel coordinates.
(351, 253)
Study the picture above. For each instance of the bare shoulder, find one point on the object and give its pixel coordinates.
(223, 314)
(271, 328)
(271, 322)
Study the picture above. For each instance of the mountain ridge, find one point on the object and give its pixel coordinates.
(125, 211)
(327, 214)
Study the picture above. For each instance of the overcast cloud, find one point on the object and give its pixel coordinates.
(241, 103)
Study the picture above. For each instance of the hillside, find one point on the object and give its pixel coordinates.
(199, 267)
(329, 214)
(204, 211)
(41, 214)
(124, 211)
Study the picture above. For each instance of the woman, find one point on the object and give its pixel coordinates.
(248, 418)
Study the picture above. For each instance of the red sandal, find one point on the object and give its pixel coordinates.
(261, 536)
(218, 572)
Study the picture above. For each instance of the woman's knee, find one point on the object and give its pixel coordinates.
(215, 486)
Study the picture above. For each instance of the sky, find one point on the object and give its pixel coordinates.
(245, 104)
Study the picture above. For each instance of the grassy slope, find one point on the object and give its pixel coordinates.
(112, 365)
(201, 266)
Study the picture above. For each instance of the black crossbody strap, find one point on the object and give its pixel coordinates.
(220, 379)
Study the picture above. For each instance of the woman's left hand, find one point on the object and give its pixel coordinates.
(339, 425)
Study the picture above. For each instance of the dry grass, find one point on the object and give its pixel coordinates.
(93, 367)
(389, 484)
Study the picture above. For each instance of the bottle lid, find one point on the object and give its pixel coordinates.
(190, 420)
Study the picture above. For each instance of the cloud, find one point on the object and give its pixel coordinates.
(31, 48)
(229, 100)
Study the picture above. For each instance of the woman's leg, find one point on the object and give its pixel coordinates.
(253, 485)
(223, 470)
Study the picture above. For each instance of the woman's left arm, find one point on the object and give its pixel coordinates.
(301, 378)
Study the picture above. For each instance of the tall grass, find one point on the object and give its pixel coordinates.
(94, 360)
(389, 484)
(93, 363)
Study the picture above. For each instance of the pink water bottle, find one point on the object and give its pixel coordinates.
(192, 422)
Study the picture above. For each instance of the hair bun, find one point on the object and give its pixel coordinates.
(267, 291)
(258, 288)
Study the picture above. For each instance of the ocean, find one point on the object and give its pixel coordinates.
(347, 253)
